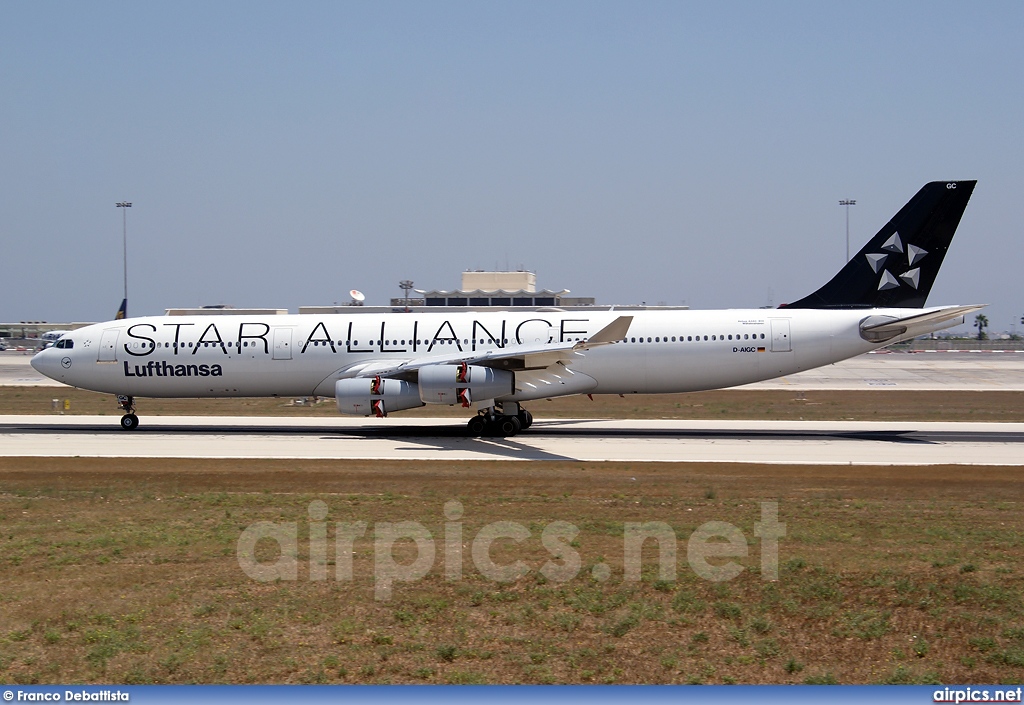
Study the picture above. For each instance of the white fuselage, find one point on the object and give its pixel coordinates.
(300, 355)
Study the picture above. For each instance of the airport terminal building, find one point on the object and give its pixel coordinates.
(482, 288)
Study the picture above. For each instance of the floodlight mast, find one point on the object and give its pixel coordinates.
(124, 205)
(406, 285)
(848, 202)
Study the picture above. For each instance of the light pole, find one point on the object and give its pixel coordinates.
(124, 242)
(845, 202)
(406, 285)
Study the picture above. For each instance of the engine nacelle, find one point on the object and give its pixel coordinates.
(461, 384)
(373, 396)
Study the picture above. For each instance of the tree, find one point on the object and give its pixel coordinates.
(981, 322)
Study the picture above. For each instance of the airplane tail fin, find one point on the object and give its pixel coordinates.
(897, 268)
(122, 312)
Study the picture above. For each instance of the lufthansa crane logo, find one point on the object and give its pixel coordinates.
(65, 363)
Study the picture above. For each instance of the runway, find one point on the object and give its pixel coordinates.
(581, 440)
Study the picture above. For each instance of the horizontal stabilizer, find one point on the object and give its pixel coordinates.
(879, 329)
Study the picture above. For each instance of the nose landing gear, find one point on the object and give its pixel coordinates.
(129, 422)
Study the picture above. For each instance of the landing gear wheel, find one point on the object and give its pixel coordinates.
(507, 426)
(476, 426)
(129, 422)
(525, 419)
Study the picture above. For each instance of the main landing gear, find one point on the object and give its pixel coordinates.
(503, 420)
(129, 422)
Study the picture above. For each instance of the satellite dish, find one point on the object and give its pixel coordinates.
(358, 297)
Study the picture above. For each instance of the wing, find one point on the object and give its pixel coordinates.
(522, 357)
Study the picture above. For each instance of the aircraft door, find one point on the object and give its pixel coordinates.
(780, 335)
(282, 343)
(108, 345)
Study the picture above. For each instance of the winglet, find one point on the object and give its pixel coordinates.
(611, 333)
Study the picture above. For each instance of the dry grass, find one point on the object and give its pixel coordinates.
(873, 405)
(126, 571)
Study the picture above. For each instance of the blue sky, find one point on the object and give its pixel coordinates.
(280, 154)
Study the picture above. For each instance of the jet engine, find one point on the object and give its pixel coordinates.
(374, 396)
(461, 384)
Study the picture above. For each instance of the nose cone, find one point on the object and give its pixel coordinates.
(43, 362)
(37, 362)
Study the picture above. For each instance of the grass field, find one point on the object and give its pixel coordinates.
(873, 405)
(127, 571)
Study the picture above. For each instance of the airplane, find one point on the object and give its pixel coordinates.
(375, 364)
(52, 336)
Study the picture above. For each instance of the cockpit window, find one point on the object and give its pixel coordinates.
(65, 344)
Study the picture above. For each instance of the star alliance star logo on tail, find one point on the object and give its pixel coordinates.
(894, 246)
